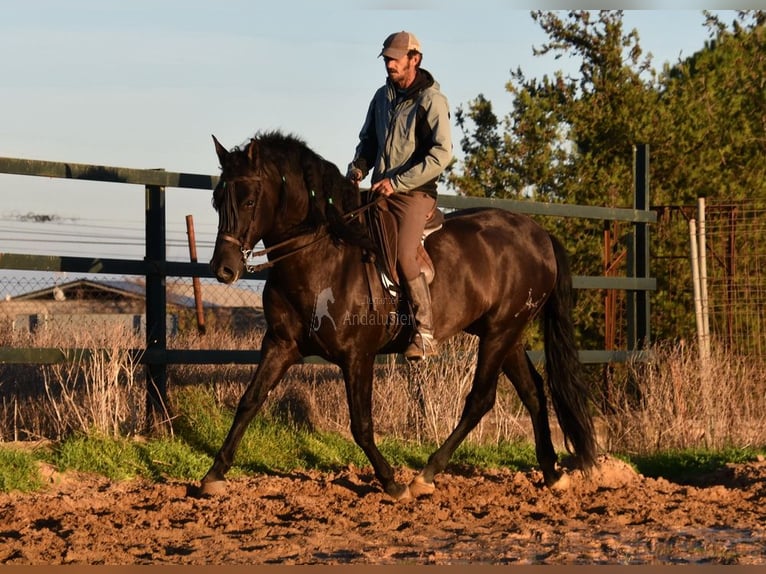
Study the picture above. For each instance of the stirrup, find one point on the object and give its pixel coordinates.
(423, 345)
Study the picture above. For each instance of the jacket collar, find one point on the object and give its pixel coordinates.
(423, 80)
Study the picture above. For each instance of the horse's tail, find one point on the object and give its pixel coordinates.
(570, 395)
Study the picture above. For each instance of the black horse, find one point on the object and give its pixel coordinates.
(495, 272)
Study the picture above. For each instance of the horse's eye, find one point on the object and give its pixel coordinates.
(250, 203)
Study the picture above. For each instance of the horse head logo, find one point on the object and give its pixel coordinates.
(322, 309)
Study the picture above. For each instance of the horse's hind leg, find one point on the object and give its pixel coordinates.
(529, 385)
(479, 401)
(275, 360)
(358, 375)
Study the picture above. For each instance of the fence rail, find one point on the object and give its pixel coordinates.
(155, 267)
(146, 177)
(54, 263)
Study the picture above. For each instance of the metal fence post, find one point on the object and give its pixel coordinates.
(157, 416)
(638, 261)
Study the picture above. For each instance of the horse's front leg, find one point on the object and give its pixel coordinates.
(276, 358)
(358, 374)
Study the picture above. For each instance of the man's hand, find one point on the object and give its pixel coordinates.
(354, 174)
(383, 187)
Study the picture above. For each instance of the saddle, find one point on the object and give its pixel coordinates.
(383, 230)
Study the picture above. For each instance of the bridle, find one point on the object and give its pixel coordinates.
(248, 252)
(231, 238)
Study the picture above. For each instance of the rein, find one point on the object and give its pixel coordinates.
(248, 254)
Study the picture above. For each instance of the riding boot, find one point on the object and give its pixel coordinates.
(422, 344)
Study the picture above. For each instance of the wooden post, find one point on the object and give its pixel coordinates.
(695, 263)
(702, 258)
(195, 280)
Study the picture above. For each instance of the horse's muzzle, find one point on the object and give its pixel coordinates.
(226, 269)
(226, 274)
(227, 263)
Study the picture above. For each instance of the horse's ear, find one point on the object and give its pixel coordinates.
(221, 151)
(251, 149)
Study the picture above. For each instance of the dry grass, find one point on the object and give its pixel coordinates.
(668, 403)
(103, 392)
(676, 402)
(421, 404)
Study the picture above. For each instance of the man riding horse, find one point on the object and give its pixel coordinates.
(406, 140)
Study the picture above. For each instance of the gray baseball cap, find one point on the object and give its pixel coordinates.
(399, 44)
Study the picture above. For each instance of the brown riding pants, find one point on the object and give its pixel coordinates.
(411, 211)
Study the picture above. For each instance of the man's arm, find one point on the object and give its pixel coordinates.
(366, 149)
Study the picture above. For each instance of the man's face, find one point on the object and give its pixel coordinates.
(401, 71)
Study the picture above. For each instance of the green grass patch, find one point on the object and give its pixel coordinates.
(511, 455)
(122, 458)
(201, 421)
(18, 471)
(686, 466)
(268, 447)
(271, 445)
(173, 458)
(117, 459)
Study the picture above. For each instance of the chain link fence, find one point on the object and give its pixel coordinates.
(32, 302)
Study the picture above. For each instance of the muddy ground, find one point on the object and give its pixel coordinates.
(489, 517)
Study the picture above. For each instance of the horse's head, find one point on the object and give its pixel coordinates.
(247, 199)
(272, 189)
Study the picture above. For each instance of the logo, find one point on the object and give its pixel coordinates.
(322, 309)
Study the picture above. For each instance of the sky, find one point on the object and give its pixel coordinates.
(145, 83)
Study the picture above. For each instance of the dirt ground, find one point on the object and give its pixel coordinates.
(491, 517)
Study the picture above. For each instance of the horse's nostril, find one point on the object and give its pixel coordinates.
(226, 274)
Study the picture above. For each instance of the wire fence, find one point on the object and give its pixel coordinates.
(735, 239)
(31, 302)
(736, 279)
(70, 303)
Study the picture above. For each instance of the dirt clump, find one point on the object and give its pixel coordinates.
(610, 516)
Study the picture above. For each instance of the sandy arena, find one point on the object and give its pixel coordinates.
(490, 517)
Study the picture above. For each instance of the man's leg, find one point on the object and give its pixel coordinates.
(411, 212)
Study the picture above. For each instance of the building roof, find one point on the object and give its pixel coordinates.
(180, 293)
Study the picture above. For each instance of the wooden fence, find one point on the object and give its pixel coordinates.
(155, 267)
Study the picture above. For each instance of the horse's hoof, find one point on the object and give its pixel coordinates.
(213, 488)
(400, 492)
(420, 487)
(561, 484)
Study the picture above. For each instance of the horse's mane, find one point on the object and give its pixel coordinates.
(331, 195)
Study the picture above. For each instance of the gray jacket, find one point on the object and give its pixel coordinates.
(406, 136)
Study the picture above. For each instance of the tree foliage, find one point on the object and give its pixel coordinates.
(713, 109)
(571, 138)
